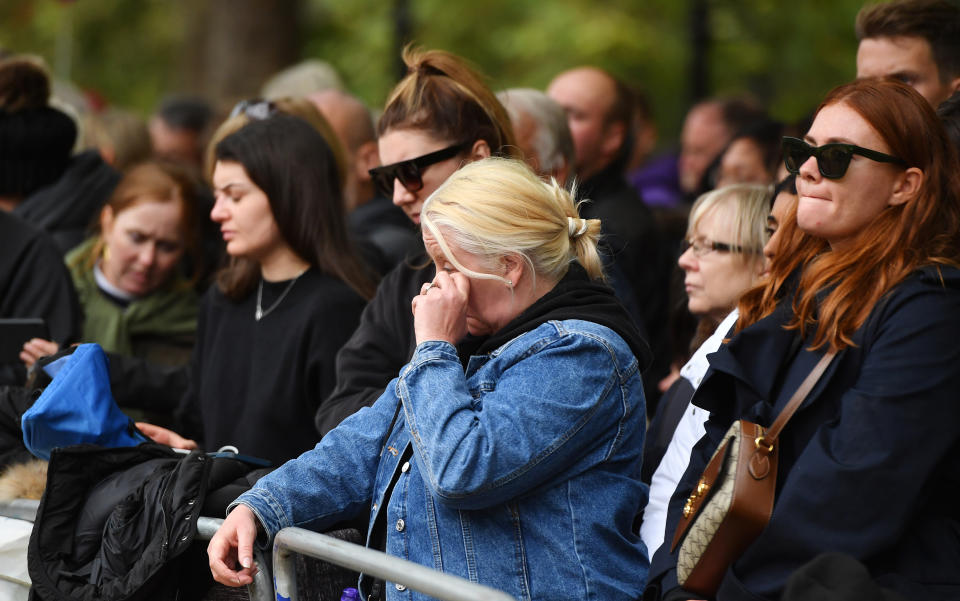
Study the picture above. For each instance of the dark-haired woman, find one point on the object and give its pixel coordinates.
(440, 117)
(868, 464)
(291, 296)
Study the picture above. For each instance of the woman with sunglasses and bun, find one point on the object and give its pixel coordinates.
(868, 463)
(440, 117)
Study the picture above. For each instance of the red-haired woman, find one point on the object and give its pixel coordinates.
(869, 462)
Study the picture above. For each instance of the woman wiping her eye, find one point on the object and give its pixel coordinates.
(520, 470)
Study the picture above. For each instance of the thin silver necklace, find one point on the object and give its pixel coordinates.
(260, 313)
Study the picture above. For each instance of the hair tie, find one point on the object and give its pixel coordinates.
(576, 227)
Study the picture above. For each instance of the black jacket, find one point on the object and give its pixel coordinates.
(34, 282)
(379, 347)
(67, 207)
(115, 523)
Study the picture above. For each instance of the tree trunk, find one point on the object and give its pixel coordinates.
(699, 50)
(234, 46)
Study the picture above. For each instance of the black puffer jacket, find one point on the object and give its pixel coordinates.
(115, 523)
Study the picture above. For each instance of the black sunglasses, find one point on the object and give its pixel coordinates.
(832, 159)
(410, 172)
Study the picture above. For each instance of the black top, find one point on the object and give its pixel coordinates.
(387, 228)
(34, 283)
(257, 384)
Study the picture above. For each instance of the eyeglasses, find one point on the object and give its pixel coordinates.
(256, 108)
(832, 159)
(410, 172)
(702, 247)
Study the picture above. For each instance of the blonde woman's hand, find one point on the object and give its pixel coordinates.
(162, 435)
(440, 310)
(35, 348)
(231, 549)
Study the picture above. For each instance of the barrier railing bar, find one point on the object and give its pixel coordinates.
(20, 509)
(374, 563)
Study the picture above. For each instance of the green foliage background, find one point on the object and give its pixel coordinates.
(786, 54)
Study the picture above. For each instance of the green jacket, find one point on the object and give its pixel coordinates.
(168, 317)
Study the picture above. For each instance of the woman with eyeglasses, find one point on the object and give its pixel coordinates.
(722, 259)
(291, 295)
(868, 464)
(440, 117)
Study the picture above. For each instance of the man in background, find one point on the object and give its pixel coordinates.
(915, 41)
(541, 131)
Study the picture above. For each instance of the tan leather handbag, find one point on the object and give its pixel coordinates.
(732, 502)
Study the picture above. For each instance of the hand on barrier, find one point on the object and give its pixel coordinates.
(162, 435)
(231, 548)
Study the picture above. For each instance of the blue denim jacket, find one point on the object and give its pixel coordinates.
(525, 472)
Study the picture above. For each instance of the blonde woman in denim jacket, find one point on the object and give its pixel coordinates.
(519, 470)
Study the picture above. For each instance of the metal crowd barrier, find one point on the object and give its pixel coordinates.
(291, 541)
(260, 590)
(19, 509)
(405, 574)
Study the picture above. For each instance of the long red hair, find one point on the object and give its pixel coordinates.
(838, 290)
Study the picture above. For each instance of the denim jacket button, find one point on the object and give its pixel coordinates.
(400, 525)
(400, 587)
(405, 467)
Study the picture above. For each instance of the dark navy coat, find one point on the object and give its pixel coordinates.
(869, 464)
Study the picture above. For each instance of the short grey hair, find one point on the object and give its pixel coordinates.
(552, 141)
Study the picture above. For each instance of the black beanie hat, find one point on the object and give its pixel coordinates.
(35, 147)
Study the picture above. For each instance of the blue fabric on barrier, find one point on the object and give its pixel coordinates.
(78, 407)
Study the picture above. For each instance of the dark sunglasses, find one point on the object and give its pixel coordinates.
(410, 172)
(832, 159)
(255, 109)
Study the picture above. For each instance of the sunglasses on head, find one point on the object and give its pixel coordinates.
(832, 159)
(410, 172)
(255, 109)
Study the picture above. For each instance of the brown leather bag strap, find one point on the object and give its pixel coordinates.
(770, 436)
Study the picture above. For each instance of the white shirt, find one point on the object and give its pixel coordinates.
(688, 433)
